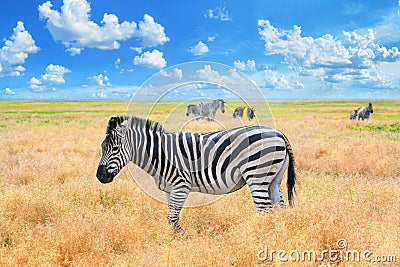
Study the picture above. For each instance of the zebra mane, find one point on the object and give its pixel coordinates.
(134, 122)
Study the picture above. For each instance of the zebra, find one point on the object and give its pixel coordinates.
(353, 115)
(213, 163)
(195, 110)
(365, 112)
(250, 113)
(209, 109)
(238, 112)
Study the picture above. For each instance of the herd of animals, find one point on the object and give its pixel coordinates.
(207, 110)
(362, 112)
(212, 163)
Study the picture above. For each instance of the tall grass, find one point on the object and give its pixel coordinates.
(54, 212)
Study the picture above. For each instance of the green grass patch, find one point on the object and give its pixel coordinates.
(392, 127)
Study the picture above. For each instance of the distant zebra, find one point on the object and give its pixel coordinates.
(365, 112)
(195, 110)
(209, 109)
(250, 113)
(362, 112)
(238, 112)
(213, 163)
(353, 115)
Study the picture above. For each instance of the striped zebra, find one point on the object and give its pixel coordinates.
(238, 112)
(353, 115)
(213, 163)
(195, 110)
(209, 109)
(250, 113)
(365, 112)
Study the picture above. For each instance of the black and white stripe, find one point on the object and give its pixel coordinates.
(206, 110)
(213, 163)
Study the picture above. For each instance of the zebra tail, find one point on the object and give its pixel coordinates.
(291, 174)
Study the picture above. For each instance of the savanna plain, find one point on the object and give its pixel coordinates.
(54, 212)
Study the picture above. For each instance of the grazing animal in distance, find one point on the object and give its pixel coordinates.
(212, 163)
(250, 113)
(353, 115)
(209, 109)
(365, 112)
(195, 110)
(238, 112)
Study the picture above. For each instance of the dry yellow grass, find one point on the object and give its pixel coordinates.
(54, 212)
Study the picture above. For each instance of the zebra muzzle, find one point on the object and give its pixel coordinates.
(103, 176)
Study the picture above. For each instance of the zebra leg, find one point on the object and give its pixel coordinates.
(275, 186)
(259, 192)
(176, 199)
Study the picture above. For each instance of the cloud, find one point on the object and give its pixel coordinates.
(151, 33)
(73, 28)
(241, 65)
(175, 73)
(386, 30)
(226, 79)
(273, 80)
(36, 84)
(137, 49)
(100, 93)
(16, 50)
(353, 57)
(152, 59)
(117, 63)
(211, 38)
(54, 75)
(8, 91)
(101, 80)
(219, 13)
(199, 49)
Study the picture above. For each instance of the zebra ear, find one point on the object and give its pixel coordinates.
(112, 124)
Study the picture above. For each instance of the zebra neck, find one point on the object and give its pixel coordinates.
(146, 150)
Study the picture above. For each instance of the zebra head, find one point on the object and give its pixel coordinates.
(250, 113)
(191, 109)
(115, 150)
(370, 108)
(221, 105)
(238, 112)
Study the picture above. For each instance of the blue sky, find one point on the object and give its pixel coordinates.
(79, 49)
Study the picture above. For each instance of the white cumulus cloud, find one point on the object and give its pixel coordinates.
(232, 77)
(219, 13)
(73, 28)
(241, 65)
(354, 57)
(175, 73)
(101, 80)
(16, 50)
(8, 91)
(274, 80)
(54, 75)
(151, 33)
(152, 59)
(199, 49)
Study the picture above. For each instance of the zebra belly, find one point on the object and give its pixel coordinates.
(238, 186)
(216, 186)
